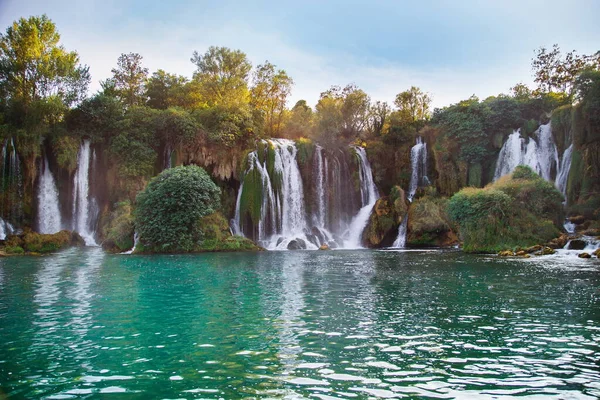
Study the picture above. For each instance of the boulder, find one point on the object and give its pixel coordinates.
(596, 253)
(506, 253)
(533, 249)
(577, 219)
(520, 253)
(296, 244)
(313, 239)
(584, 255)
(324, 247)
(577, 244)
(546, 251)
(279, 241)
(319, 234)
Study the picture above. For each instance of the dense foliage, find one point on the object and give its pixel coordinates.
(518, 210)
(141, 122)
(169, 211)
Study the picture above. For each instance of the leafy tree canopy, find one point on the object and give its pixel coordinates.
(169, 211)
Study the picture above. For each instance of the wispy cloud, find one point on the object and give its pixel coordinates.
(450, 50)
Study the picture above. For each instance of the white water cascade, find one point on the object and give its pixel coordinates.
(369, 197)
(563, 171)
(320, 175)
(49, 220)
(418, 165)
(538, 152)
(418, 176)
(282, 215)
(136, 240)
(82, 202)
(293, 220)
(400, 241)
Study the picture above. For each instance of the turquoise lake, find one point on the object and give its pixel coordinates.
(305, 324)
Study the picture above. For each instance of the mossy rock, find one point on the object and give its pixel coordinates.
(429, 224)
(31, 242)
(119, 230)
(382, 227)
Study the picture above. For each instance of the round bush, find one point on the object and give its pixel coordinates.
(169, 211)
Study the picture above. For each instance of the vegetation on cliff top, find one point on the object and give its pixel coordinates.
(140, 119)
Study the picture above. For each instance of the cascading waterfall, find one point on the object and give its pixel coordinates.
(563, 171)
(49, 220)
(12, 181)
(369, 197)
(136, 240)
(291, 196)
(83, 204)
(320, 175)
(418, 165)
(539, 153)
(400, 241)
(273, 208)
(418, 176)
(5, 229)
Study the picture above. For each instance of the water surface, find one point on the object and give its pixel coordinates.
(321, 325)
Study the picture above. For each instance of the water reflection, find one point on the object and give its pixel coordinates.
(298, 324)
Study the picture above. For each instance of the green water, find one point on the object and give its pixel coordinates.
(322, 325)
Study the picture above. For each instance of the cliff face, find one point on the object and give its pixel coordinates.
(391, 164)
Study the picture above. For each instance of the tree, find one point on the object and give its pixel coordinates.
(39, 79)
(553, 72)
(413, 105)
(164, 90)
(169, 211)
(269, 96)
(129, 79)
(222, 76)
(299, 122)
(342, 112)
(378, 116)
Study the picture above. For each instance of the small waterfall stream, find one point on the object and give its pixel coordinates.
(369, 197)
(538, 152)
(563, 171)
(418, 165)
(83, 204)
(418, 176)
(49, 219)
(320, 177)
(12, 181)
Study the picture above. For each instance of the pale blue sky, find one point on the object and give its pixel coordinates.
(451, 49)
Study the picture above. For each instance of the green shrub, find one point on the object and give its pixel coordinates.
(516, 211)
(119, 234)
(169, 211)
(14, 250)
(46, 243)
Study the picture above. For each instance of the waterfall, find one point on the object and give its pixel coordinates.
(418, 176)
(563, 171)
(418, 165)
(320, 176)
(271, 203)
(291, 196)
(538, 152)
(400, 241)
(235, 222)
(5, 229)
(49, 220)
(136, 239)
(83, 204)
(12, 181)
(369, 196)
